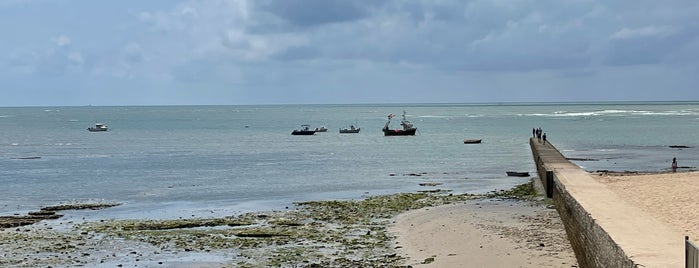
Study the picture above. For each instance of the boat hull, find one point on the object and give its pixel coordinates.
(517, 174)
(346, 131)
(303, 132)
(97, 129)
(399, 132)
(472, 141)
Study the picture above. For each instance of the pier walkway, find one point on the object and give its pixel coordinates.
(604, 230)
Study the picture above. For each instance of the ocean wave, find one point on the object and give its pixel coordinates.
(614, 113)
(434, 116)
(94, 156)
(58, 144)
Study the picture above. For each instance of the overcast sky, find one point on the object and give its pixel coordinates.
(159, 52)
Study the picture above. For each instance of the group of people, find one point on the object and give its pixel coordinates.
(539, 134)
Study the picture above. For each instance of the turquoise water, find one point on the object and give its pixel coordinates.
(174, 161)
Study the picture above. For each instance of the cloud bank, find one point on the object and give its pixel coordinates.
(332, 51)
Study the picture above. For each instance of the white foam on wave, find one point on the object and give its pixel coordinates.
(679, 113)
(434, 116)
(613, 113)
(94, 156)
(58, 144)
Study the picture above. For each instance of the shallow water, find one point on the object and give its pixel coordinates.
(174, 161)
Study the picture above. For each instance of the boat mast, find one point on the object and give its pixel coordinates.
(385, 127)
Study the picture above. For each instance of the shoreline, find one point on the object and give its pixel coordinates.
(325, 233)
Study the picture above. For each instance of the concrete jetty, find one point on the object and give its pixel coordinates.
(604, 230)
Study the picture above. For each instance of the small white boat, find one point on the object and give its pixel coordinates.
(98, 128)
(321, 129)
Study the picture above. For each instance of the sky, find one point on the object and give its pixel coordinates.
(157, 52)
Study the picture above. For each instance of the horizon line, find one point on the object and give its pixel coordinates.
(504, 103)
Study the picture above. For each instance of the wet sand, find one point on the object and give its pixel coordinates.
(485, 233)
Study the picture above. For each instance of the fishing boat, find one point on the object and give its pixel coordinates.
(98, 128)
(321, 129)
(351, 129)
(517, 174)
(305, 130)
(407, 130)
(472, 141)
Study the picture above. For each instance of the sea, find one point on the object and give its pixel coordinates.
(164, 162)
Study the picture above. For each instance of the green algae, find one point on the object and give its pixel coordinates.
(79, 206)
(137, 225)
(316, 234)
(347, 233)
(522, 191)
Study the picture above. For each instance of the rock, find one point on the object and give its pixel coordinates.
(679, 146)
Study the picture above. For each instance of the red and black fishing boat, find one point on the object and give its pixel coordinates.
(407, 130)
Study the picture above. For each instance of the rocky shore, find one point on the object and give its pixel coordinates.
(350, 233)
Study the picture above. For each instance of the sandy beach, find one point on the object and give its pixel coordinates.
(670, 197)
(484, 233)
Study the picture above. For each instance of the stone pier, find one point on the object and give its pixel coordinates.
(604, 230)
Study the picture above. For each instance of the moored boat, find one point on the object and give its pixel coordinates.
(351, 129)
(98, 128)
(472, 141)
(408, 128)
(517, 174)
(321, 129)
(305, 130)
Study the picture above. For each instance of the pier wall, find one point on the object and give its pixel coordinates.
(598, 224)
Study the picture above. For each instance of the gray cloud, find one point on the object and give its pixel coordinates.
(274, 51)
(308, 13)
(297, 53)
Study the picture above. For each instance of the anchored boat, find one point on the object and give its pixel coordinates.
(351, 129)
(407, 130)
(98, 128)
(305, 130)
(517, 174)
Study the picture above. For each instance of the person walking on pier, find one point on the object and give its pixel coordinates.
(544, 137)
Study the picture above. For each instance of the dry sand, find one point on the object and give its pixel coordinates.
(485, 233)
(670, 197)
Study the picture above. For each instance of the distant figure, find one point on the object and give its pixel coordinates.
(533, 132)
(544, 137)
(674, 164)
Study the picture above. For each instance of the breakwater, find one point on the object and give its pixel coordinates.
(603, 229)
